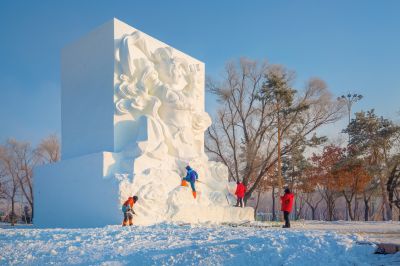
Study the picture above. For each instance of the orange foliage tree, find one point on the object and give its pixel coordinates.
(352, 179)
(322, 172)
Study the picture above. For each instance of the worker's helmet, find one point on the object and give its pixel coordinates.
(135, 198)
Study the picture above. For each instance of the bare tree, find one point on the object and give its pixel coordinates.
(10, 183)
(3, 178)
(368, 194)
(263, 187)
(48, 149)
(19, 160)
(313, 202)
(299, 204)
(244, 135)
(17, 163)
(393, 183)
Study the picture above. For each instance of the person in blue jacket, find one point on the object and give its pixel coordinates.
(191, 177)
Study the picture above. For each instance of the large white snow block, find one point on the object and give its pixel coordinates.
(87, 94)
(132, 118)
(77, 193)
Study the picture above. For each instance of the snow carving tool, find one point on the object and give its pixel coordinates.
(226, 196)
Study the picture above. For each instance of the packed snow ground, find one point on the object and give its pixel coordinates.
(307, 243)
(380, 232)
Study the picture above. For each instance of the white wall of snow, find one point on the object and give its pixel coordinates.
(87, 106)
(76, 193)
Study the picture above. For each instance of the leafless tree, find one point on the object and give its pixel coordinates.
(17, 163)
(393, 183)
(3, 180)
(263, 187)
(10, 183)
(313, 202)
(48, 149)
(19, 160)
(244, 135)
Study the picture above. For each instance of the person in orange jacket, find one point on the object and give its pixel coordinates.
(286, 206)
(127, 209)
(240, 191)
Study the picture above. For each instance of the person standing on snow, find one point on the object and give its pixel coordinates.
(240, 191)
(286, 206)
(191, 177)
(127, 209)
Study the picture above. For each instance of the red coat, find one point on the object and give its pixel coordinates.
(129, 202)
(287, 202)
(240, 190)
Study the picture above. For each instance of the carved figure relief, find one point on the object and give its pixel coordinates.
(163, 87)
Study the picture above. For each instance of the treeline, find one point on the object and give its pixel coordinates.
(366, 172)
(17, 162)
(265, 128)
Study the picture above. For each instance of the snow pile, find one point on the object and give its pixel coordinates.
(162, 198)
(169, 244)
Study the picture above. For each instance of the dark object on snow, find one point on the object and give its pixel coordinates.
(286, 217)
(387, 248)
(239, 202)
(135, 198)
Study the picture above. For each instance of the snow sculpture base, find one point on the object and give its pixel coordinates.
(85, 192)
(76, 193)
(132, 118)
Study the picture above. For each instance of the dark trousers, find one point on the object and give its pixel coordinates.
(286, 217)
(239, 202)
(128, 216)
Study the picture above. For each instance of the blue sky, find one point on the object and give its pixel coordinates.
(352, 45)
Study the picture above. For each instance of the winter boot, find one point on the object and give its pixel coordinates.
(194, 194)
(125, 223)
(184, 183)
(130, 222)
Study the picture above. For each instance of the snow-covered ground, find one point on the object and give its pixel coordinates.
(307, 243)
(381, 232)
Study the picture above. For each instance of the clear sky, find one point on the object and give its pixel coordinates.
(352, 45)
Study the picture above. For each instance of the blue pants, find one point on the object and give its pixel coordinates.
(191, 184)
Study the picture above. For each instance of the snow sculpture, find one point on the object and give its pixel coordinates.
(166, 90)
(134, 137)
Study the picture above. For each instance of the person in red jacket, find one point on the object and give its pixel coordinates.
(240, 190)
(127, 209)
(286, 206)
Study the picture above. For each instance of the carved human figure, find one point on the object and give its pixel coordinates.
(164, 87)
